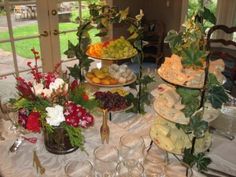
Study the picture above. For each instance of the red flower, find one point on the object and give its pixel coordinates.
(33, 122)
(49, 78)
(74, 85)
(85, 97)
(24, 89)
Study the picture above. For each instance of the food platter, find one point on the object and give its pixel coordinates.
(172, 80)
(165, 142)
(111, 85)
(123, 110)
(111, 59)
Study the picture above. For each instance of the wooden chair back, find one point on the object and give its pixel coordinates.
(223, 48)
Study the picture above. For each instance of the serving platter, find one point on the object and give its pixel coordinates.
(111, 59)
(164, 142)
(172, 80)
(112, 85)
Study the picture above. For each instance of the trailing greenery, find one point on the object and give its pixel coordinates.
(75, 135)
(200, 160)
(100, 17)
(77, 97)
(189, 99)
(145, 96)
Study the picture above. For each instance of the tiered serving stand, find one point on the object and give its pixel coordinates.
(169, 119)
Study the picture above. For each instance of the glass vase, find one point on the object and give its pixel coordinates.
(58, 141)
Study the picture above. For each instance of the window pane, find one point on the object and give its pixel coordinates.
(23, 47)
(25, 20)
(4, 34)
(6, 59)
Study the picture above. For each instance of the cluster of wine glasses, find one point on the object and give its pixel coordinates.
(126, 160)
(129, 159)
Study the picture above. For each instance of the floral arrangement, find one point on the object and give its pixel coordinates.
(49, 101)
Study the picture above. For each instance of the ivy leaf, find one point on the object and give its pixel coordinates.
(197, 125)
(202, 161)
(209, 16)
(70, 52)
(133, 36)
(217, 96)
(147, 80)
(212, 80)
(189, 99)
(174, 39)
(192, 56)
(188, 157)
(124, 14)
(74, 71)
(131, 29)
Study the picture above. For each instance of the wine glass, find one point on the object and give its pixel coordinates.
(123, 171)
(229, 112)
(155, 162)
(8, 112)
(77, 168)
(106, 158)
(131, 148)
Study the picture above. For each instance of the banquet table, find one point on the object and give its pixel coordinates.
(20, 163)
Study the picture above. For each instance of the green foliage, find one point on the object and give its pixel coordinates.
(215, 92)
(197, 125)
(217, 96)
(175, 41)
(144, 96)
(74, 71)
(200, 160)
(77, 97)
(39, 104)
(75, 135)
(192, 56)
(189, 99)
(100, 17)
(189, 39)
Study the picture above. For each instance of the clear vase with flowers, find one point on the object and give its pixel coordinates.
(59, 109)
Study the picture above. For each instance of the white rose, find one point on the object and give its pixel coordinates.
(47, 93)
(55, 115)
(56, 84)
(37, 88)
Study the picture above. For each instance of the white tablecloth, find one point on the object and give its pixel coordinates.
(21, 164)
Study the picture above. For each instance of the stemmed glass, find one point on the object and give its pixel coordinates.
(124, 171)
(77, 168)
(155, 162)
(106, 158)
(229, 112)
(9, 113)
(131, 148)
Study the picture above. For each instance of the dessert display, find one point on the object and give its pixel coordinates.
(112, 101)
(112, 50)
(113, 75)
(173, 71)
(168, 137)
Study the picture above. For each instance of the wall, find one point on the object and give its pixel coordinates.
(158, 10)
(134, 7)
(153, 10)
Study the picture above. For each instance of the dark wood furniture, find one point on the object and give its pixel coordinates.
(225, 49)
(154, 34)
